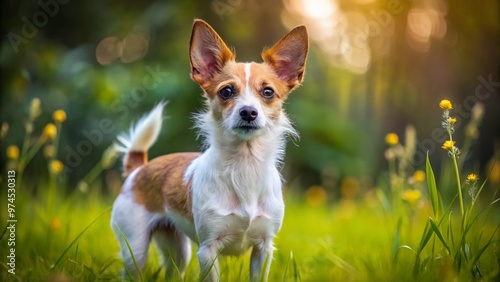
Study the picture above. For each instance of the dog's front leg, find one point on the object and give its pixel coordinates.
(261, 254)
(209, 262)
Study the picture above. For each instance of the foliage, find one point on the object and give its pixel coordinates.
(336, 243)
(64, 101)
(341, 115)
(67, 237)
(462, 248)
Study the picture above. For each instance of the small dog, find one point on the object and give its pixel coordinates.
(227, 199)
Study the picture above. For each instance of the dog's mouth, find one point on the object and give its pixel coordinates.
(246, 128)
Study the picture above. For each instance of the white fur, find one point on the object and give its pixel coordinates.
(132, 223)
(236, 187)
(144, 134)
(237, 201)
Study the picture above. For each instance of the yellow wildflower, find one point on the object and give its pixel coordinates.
(349, 187)
(419, 176)
(448, 145)
(56, 166)
(59, 116)
(13, 152)
(445, 105)
(452, 121)
(50, 131)
(316, 195)
(391, 139)
(472, 177)
(55, 224)
(411, 196)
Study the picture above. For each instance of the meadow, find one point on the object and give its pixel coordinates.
(402, 229)
(351, 241)
(386, 183)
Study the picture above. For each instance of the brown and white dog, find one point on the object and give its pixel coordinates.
(227, 199)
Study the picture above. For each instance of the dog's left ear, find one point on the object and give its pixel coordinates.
(288, 56)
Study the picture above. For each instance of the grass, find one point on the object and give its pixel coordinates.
(402, 230)
(350, 241)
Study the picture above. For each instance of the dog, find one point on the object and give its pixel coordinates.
(227, 199)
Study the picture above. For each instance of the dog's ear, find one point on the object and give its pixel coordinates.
(288, 56)
(207, 53)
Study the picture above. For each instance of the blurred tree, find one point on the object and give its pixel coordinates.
(377, 67)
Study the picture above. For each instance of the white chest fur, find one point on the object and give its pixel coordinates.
(237, 203)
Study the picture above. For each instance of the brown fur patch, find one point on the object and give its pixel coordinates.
(159, 184)
(262, 76)
(208, 53)
(288, 56)
(133, 160)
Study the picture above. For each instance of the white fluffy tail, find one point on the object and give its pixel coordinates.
(139, 139)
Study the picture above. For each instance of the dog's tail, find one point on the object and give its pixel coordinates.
(140, 138)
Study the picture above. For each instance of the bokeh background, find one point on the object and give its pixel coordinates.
(374, 67)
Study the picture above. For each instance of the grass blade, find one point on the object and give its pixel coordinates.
(296, 273)
(172, 260)
(484, 183)
(4, 231)
(481, 251)
(105, 266)
(395, 242)
(470, 223)
(212, 265)
(337, 260)
(431, 185)
(383, 200)
(450, 230)
(436, 230)
(76, 256)
(290, 258)
(78, 237)
(425, 238)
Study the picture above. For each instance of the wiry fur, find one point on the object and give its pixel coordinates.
(142, 135)
(229, 198)
(273, 139)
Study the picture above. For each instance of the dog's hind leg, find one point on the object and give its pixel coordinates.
(175, 248)
(131, 224)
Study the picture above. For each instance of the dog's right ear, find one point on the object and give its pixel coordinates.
(207, 53)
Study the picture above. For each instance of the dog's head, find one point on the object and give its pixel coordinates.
(246, 98)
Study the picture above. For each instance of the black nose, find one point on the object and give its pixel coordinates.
(248, 113)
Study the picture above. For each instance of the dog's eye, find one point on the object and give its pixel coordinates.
(226, 92)
(268, 93)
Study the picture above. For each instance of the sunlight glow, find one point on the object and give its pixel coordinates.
(425, 21)
(318, 8)
(129, 49)
(348, 38)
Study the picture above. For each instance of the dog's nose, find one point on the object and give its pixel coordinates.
(248, 113)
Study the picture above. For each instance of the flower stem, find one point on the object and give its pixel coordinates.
(459, 186)
(457, 174)
(449, 129)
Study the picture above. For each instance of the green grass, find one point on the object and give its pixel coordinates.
(401, 230)
(349, 241)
